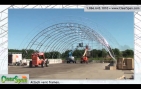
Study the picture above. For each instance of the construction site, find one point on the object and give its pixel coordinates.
(93, 71)
(60, 37)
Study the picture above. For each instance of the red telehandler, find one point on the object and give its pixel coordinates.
(38, 59)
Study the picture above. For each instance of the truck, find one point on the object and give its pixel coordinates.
(71, 58)
(38, 59)
(15, 59)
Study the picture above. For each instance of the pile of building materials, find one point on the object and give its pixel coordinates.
(121, 64)
(125, 64)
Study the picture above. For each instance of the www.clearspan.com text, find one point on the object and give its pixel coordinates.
(125, 8)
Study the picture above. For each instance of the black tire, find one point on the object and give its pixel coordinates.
(18, 64)
(68, 62)
(42, 64)
(15, 64)
(30, 64)
(46, 64)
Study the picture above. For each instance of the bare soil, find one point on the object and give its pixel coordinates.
(70, 71)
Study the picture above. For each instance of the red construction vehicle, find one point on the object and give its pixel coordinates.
(84, 58)
(38, 59)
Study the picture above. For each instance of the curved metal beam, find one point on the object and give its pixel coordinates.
(61, 29)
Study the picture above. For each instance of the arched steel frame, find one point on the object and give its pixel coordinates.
(61, 36)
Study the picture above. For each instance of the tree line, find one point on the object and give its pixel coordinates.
(95, 53)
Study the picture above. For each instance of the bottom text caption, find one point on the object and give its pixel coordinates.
(44, 82)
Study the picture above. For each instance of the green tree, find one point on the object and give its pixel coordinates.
(94, 53)
(117, 52)
(128, 53)
(99, 53)
(104, 53)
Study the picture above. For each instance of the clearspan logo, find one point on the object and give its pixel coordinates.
(14, 79)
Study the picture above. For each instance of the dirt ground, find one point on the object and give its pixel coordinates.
(71, 71)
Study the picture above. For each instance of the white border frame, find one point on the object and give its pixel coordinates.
(4, 41)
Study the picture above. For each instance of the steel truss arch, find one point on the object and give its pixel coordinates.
(58, 36)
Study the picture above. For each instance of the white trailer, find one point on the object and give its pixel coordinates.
(15, 59)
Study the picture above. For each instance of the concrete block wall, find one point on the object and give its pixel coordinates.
(55, 61)
(51, 61)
